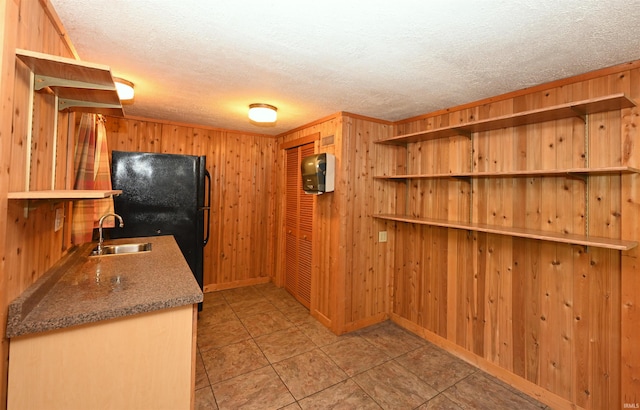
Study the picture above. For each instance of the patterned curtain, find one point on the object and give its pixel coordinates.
(92, 171)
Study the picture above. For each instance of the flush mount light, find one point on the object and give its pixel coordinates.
(263, 113)
(124, 89)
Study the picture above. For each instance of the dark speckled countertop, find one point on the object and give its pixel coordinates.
(82, 289)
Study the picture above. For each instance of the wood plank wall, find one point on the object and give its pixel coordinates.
(241, 248)
(349, 288)
(28, 245)
(555, 320)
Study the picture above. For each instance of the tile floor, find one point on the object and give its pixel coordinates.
(258, 348)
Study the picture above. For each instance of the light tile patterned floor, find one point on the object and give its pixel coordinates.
(258, 348)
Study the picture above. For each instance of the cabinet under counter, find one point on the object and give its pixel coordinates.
(113, 331)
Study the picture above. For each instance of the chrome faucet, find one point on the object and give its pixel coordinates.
(101, 239)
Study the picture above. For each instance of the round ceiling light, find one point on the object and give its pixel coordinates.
(124, 89)
(263, 113)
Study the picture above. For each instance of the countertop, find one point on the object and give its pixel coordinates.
(82, 289)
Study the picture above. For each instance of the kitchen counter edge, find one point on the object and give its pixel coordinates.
(64, 296)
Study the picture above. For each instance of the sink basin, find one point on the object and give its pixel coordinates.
(122, 248)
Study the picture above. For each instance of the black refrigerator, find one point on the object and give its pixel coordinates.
(164, 194)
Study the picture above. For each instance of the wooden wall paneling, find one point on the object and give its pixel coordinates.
(221, 195)
(244, 206)
(630, 323)
(520, 292)
(630, 272)
(346, 194)
(581, 329)
(174, 139)
(8, 82)
(266, 202)
(44, 113)
(458, 208)
(500, 199)
(18, 153)
(342, 236)
(479, 212)
(34, 245)
(237, 252)
(557, 342)
(368, 280)
(604, 211)
(229, 211)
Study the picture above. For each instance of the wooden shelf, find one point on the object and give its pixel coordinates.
(570, 172)
(558, 112)
(517, 232)
(80, 86)
(71, 194)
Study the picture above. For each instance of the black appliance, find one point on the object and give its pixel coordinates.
(164, 194)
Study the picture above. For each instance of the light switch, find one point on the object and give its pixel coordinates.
(382, 236)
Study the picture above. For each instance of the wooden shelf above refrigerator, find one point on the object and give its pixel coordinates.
(80, 86)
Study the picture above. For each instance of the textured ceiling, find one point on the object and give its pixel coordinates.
(204, 62)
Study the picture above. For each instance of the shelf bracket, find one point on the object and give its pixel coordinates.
(580, 114)
(43, 81)
(578, 175)
(64, 103)
(464, 132)
(462, 178)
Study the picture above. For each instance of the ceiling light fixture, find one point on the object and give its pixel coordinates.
(124, 89)
(263, 113)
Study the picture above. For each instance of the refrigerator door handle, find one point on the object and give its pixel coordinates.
(207, 206)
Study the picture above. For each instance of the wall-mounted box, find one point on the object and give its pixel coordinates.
(318, 173)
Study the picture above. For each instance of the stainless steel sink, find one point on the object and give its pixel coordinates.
(122, 248)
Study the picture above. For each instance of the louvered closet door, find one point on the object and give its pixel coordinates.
(299, 228)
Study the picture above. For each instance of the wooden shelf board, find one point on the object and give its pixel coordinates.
(523, 173)
(558, 112)
(517, 232)
(64, 194)
(71, 79)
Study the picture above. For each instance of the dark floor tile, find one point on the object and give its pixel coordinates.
(297, 314)
(292, 406)
(261, 389)
(345, 395)
(391, 338)
(214, 314)
(436, 367)
(514, 390)
(221, 334)
(284, 344)
(479, 392)
(440, 402)
(318, 333)
(213, 298)
(394, 387)
(233, 360)
(204, 399)
(202, 380)
(259, 348)
(282, 299)
(265, 323)
(241, 294)
(309, 373)
(354, 354)
(252, 307)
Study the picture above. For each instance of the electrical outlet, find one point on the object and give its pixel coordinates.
(382, 236)
(59, 219)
